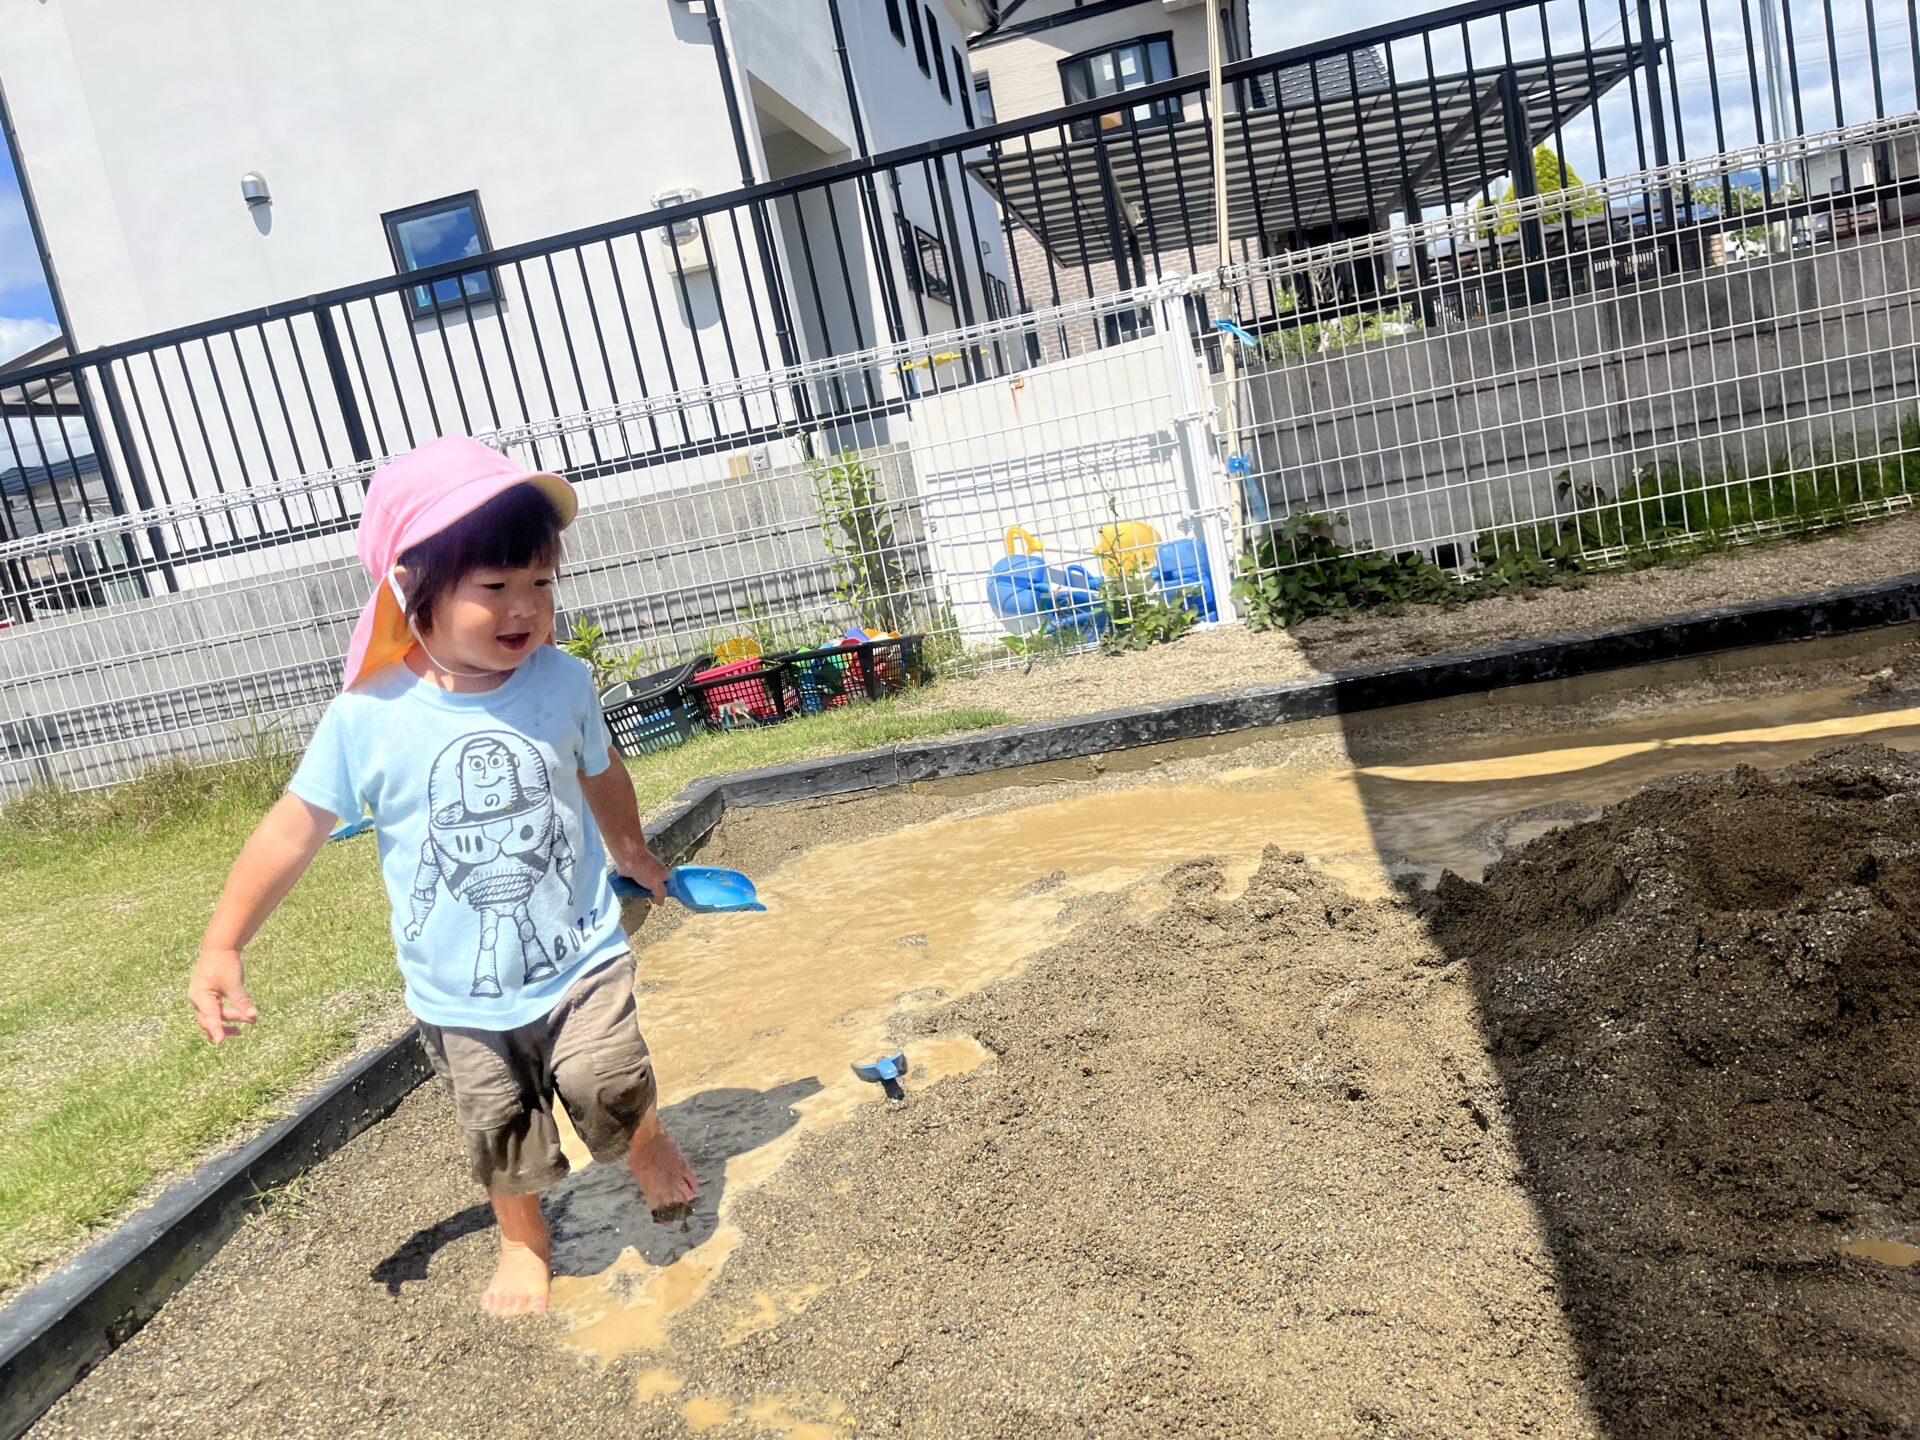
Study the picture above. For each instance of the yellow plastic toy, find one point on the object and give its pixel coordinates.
(1029, 542)
(1127, 548)
(743, 647)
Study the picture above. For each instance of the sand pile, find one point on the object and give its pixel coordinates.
(1244, 1163)
(1705, 1009)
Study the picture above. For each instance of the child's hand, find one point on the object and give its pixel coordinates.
(645, 869)
(219, 995)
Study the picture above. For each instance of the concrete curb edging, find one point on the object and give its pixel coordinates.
(64, 1325)
(1560, 657)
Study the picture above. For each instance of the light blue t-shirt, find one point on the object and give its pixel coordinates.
(495, 868)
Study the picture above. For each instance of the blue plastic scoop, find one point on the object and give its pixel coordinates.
(885, 1072)
(704, 888)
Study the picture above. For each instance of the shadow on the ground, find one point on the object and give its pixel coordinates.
(597, 1212)
(1700, 1009)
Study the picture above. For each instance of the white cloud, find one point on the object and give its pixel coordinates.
(17, 336)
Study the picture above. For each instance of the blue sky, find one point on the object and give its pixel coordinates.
(26, 310)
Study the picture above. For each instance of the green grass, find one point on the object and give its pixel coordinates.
(105, 1084)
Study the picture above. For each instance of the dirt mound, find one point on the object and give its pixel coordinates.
(1703, 1009)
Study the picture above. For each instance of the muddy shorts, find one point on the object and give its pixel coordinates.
(587, 1053)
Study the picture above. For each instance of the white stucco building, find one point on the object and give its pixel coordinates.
(378, 135)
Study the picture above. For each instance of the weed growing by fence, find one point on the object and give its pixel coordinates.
(1302, 570)
(870, 575)
(588, 642)
(1140, 617)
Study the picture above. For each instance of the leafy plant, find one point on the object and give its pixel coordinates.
(1317, 337)
(1564, 192)
(1037, 644)
(1302, 570)
(869, 572)
(588, 642)
(1139, 618)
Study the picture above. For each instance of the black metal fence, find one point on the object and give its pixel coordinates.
(134, 468)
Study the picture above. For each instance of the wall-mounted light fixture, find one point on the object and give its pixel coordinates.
(253, 189)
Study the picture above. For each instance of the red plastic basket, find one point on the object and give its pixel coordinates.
(744, 692)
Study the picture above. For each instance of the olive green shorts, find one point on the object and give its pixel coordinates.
(587, 1053)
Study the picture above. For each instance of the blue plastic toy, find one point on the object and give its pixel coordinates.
(347, 829)
(705, 889)
(1027, 594)
(1182, 565)
(885, 1072)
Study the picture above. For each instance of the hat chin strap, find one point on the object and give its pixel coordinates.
(442, 665)
(393, 579)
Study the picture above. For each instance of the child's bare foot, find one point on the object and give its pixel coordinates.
(662, 1172)
(519, 1283)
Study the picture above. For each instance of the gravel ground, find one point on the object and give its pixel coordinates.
(1232, 657)
(1259, 1171)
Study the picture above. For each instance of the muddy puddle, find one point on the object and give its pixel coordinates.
(858, 937)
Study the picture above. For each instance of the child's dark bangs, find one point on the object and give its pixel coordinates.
(516, 528)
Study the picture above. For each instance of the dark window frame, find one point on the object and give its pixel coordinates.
(919, 36)
(435, 304)
(983, 86)
(1168, 110)
(894, 22)
(935, 280)
(999, 298)
(939, 60)
(963, 83)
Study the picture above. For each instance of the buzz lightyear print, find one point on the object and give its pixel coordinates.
(493, 835)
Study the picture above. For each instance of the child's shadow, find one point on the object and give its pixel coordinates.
(597, 1212)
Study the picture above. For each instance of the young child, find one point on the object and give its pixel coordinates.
(481, 753)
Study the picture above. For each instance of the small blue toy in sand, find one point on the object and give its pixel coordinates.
(706, 889)
(885, 1072)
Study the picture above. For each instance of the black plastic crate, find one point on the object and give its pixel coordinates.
(873, 669)
(744, 695)
(654, 713)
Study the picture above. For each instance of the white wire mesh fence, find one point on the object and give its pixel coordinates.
(1682, 357)
(891, 516)
(1576, 379)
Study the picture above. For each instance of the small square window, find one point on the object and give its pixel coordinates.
(1115, 70)
(433, 234)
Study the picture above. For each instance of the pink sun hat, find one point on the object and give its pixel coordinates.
(414, 497)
